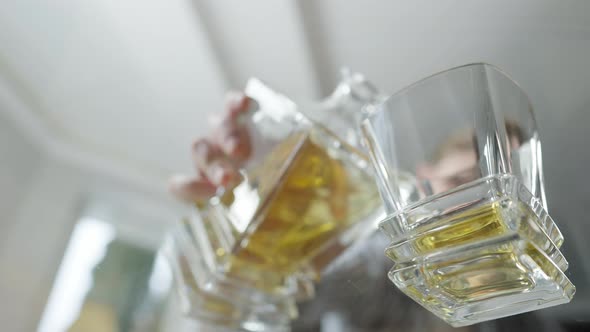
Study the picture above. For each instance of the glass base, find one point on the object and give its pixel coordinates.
(499, 277)
(481, 252)
(211, 309)
(480, 210)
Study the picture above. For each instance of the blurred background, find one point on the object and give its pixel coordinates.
(100, 100)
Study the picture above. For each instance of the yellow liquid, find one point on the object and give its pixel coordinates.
(473, 225)
(470, 226)
(476, 276)
(494, 273)
(484, 275)
(309, 194)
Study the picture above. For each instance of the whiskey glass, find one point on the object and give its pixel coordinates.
(457, 159)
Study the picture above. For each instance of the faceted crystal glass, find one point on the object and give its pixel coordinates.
(458, 164)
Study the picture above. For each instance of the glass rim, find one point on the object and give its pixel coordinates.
(373, 109)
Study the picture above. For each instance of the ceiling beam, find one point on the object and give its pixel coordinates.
(315, 35)
(264, 39)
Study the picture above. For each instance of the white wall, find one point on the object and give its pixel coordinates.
(18, 161)
(40, 200)
(19, 165)
(33, 246)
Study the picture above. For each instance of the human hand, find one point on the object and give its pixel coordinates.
(218, 156)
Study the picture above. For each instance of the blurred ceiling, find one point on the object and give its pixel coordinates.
(129, 84)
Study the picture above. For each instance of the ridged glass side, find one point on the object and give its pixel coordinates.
(489, 207)
(209, 308)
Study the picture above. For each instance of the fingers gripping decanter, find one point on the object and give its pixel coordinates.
(458, 164)
(305, 194)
